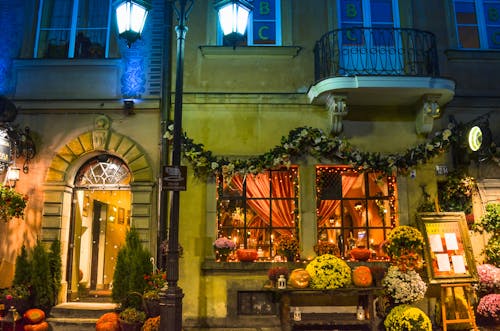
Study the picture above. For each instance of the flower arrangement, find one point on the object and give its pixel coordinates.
(326, 247)
(404, 286)
(12, 203)
(274, 273)
(455, 194)
(154, 283)
(328, 272)
(288, 246)
(15, 292)
(489, 279)
(405, 317)
(132, 315)
(223, 247)
(305, 141)
(404, 246)
(489, 307)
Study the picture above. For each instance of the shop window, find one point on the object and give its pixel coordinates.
(478, 23)
(73, 29)
(256, 303)
(255, 211)
(264, 28)
(354, 209)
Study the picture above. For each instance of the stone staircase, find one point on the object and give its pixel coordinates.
(77, 316)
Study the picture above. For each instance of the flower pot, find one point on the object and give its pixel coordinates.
(152, 307)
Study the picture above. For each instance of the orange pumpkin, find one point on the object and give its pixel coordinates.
(42, 326)
(299, 278)
(34, 315)
(362, 276)
(108, 322)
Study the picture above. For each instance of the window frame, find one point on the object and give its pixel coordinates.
(481, 24)
(269, 242)
(73, 29)
(249, 32)
(342, 227)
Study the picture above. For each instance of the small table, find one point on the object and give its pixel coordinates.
(311, 297)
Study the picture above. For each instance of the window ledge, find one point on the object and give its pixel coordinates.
(472, 55)
(213, 267)
(250, 51)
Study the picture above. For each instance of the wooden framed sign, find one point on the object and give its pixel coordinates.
(448, 250)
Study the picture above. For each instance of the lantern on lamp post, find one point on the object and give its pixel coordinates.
(233, 18)
(131, 16)
(233, 15)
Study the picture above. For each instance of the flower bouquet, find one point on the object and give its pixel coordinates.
(405, 246)
(328, 272)
(404, 286)
(405, 317)
(223, 247)
(288, 247)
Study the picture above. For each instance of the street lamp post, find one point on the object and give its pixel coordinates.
(233, 16)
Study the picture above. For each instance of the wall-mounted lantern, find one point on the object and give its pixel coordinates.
(131, 16)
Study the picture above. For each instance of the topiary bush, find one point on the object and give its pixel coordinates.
(132, 265)
(405, 317)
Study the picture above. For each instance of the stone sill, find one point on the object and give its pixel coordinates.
(250, 51)
(213, 267)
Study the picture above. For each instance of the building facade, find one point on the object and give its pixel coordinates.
(316, 90)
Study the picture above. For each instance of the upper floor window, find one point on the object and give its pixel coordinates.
(368, 13)
(354, 209)
(478, 23)
(255, 211)
(73, 29)
(264, 26)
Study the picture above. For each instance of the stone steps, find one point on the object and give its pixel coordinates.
(77, 316)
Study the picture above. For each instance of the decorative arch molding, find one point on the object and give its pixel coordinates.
(59, 183)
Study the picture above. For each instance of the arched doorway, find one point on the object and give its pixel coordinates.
(100, 220)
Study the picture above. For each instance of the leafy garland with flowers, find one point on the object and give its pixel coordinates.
(304, 141)
(328, 272)
(12, 203)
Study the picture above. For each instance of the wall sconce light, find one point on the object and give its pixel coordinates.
(128, 107)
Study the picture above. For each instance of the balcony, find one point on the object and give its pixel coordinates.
(359, 67)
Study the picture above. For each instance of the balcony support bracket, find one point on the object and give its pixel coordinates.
(428, 111)
(337, 108)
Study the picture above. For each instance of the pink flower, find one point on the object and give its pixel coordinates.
(9, 297)
(489, 306)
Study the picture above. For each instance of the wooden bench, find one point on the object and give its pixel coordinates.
(327, 309)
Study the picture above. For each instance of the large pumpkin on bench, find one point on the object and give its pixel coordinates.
(299, 278)
(362, 276)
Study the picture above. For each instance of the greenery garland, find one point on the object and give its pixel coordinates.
(306, 141)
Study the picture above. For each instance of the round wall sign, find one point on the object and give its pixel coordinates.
(475, 138)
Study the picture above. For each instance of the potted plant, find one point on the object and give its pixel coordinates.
(12, 203)
(17, 296)
(274, 273)
(490, 223)
(223, 247)
(288, 246)
(151, 296)
(131, 319)
(131, 265)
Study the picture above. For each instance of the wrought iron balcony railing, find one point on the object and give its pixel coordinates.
(359, 51)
